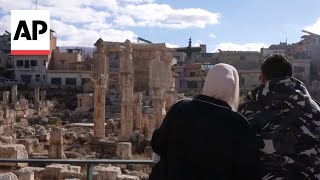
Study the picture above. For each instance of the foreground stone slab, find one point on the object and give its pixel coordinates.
(127, 177)
(110, 173)
(30, 173)
(62, 171)
(8, 176)
(13, 151)
(25, 175)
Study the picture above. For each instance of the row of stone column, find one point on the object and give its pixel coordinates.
(38, 95)
(132, 117)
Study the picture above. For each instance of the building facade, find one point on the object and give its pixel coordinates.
(189, 77)
(5, 42)
(32, 69)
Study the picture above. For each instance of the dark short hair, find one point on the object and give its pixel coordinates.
(277, 66)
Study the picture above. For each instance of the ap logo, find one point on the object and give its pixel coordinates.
(30, 32)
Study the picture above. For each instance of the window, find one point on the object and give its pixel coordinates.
(84, 81)
(192, 84)
(80, 102)
(26, 78)
(19, 62)
(192, 74)
(71, 81)
(0, 60)
(34, 63)
(44, 76)
(44, 62)
(37, 77)
(242, 57)
(26, 64)
(62, 61)
(114, 56)
(56, 81)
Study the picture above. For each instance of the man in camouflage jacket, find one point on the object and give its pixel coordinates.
(287, 122)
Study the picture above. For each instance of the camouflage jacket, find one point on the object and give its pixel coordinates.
(287, 122)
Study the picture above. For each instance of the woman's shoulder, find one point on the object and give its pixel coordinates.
(240, 119)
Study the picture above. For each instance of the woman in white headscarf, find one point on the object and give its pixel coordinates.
(205, 138)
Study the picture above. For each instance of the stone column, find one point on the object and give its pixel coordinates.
(100, 86)
(158, 106)
(170, 98)
(14, 93)
(127, 81)
(158, 76)
(56, 144)
(43, 94)
(36, 94)
(5, 97)
(148, 123)
(136, 112)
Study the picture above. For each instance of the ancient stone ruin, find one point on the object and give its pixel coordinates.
(113, 120)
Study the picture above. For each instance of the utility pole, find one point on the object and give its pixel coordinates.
(36, 4)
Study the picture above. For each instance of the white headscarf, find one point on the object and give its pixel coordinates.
(222, 82)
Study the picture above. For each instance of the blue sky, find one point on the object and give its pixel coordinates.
(228, 24)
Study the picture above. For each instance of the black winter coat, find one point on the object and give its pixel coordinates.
(203, 139)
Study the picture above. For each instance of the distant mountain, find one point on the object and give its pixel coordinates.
(88, 50)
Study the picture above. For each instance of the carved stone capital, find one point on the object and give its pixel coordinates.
(99, 80)
(126, 79)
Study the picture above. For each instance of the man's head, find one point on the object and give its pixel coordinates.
(276, 66)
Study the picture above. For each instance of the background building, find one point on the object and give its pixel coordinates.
(32, 69)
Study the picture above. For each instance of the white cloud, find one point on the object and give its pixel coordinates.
(97, 26)
(73, 36)
(229, 46)
(315, 28)
(169, 45)
(87, 38)
(162, 15)
(197, 43)
(213, 36)
(138, 1)
(82, 22)
(124, 20)
(74, 11)
(5, 23)
(63, 29)
(7, 5)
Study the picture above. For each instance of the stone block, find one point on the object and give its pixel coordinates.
(12, 114)
(62, 171)
(13, 151)
(27, 143)
(8, 176)
(17, 106)
(25, 175)
(124, 150)
(44, 137)
(20, 114)
(110, 173)
(30, 172)
(1, 129)
(148, 151)
(6, 139)
(1, 114)
(127, 177)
